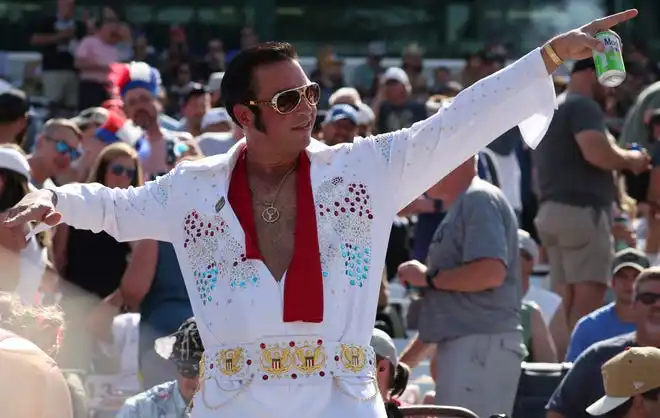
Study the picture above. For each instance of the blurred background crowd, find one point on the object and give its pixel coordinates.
(577, 225)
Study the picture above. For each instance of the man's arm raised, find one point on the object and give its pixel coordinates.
(129, 214)
(522, 94)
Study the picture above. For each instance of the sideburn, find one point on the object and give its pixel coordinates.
(258, 120)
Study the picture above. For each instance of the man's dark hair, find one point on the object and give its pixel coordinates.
(238, 85)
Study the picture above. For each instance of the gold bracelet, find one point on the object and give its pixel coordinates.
(552, 54)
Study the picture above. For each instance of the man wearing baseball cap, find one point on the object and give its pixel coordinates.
(632, 385)
(615, 318)
(340, 125)
(171, 399)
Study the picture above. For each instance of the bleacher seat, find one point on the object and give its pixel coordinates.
(537, 383)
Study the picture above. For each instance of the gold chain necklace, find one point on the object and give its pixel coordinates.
(271, 214)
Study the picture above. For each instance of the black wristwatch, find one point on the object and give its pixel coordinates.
(429, 280)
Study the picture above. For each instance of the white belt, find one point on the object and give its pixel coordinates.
(282, 359)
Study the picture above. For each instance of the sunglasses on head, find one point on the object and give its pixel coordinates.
(648, 298)
(288, 100)
(63, 148)
(120, 170)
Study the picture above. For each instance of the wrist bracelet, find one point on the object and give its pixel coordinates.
(552, 54)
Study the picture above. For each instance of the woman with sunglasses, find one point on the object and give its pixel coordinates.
(93, 265)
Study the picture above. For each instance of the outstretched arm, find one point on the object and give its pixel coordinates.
(414, 159)
(521, 94)
(129, 214)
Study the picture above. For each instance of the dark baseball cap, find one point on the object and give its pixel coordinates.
(14, 105)
(630, 257)
(584, 64)
(184, 347)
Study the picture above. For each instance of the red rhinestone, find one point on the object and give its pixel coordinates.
(321, 374)
(336, 358)
(292, 344)
(370, 216)
(319, 342)
(264, 377)
(211, 366)
(249, 362)
(262, 345)
(294, 376)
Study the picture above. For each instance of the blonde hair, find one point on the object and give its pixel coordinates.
(63, 123)
(42, 325)
(345, 95)
(110, 153)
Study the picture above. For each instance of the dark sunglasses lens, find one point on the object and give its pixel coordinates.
(288, 101)
(117, 170)
(648, 298)
(313, 93)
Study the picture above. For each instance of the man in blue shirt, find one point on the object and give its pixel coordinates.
(615, 318)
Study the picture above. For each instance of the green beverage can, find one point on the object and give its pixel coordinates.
(610, 69)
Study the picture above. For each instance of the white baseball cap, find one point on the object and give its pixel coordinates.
(215, 115)
(396, 74)
(13, 160)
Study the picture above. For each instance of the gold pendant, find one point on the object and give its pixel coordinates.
(270, 214)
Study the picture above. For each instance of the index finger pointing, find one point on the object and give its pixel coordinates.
(612, 20)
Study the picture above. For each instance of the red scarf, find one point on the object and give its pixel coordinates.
(303, 288)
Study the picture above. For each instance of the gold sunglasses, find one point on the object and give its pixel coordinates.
(288, 100)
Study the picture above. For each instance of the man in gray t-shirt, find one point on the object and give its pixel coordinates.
(575, 164)
(471, 304)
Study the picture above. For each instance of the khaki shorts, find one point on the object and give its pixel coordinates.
(578, 242)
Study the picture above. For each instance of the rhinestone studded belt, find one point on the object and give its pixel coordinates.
(286, 359)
